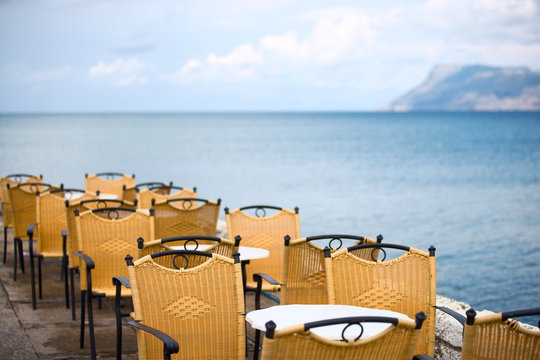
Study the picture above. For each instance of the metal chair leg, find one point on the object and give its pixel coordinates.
(256, 345)
(40, 287)
(15, 241)
(21, 255)
(5, 243)
(91, 327)
(72, 289)
(66, 281)
(83, 300)
(32, 277)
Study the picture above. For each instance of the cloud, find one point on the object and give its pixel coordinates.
(47, 75)
(121, 72)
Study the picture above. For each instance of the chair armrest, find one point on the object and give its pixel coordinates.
(87, 259)
(452, 313)
(30, 230)
(258, 278)
(122, 281)
(422, 357)
(170, 346)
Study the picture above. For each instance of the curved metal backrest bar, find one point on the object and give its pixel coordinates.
(379, 246)
(191, 237)
(67, 190)
(350, 320)
(121, 202)
(188, 199)
(335, 236)
(20, 176)
(519, 313)
(113, 209)
(165, 186)
(181, 252)
(261, 207)
(110, 173)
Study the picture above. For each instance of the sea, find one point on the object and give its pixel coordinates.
(467, 183)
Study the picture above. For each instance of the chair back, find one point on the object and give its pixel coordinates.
(211, 244)
(12, 180)
(109, 183)
(406, 284)
(397, 342)
(500, 337)
(107, 235)
(23, 202)
(201, 307)
(186, 216)
(265, 232)
(161, 194)
(303, 279)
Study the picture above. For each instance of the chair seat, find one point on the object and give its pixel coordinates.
(111, 291)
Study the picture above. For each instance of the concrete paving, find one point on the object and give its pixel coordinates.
(48, 332)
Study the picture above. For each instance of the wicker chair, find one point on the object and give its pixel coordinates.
(498, 336)
(86, 202)
(7, 218)
(184, 216)
(108, 183)
(265, 232)
(406, 284)
(199, 310)
(130, 192)
(23, 201)
(51, 225)
(303, 279)
(216, 245)
(397, 342)
(105, 236)
(161, 194)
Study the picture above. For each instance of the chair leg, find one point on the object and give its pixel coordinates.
(21, 255)
(83, 300)
(66, 285)
(99, 303)
(91, 327)
(5, 243)
(40, 287)
(15, 241)
(118, 312)
(256, 345)
(32, 279)
(72, 290)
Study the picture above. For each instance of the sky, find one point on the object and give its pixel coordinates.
(240, 55)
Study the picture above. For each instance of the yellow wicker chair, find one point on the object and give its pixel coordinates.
(129, 193)
(51, 225)
(199, 310)
(303, 279)
(406, 284)
(105, 236)
(498, 336)
(7, 217)
(397, 342)
(109, 183)
(23, 201)
(147, 197)
(186, 216)
(214, 245)
(265, 232)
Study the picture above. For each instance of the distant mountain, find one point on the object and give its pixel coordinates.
(474, 87)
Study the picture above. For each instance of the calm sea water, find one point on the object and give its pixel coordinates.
(467, 183)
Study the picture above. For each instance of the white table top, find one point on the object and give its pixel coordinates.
(288, 315)
(246, 252)
(108, 196)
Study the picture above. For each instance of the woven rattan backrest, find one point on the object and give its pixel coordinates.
(51, 220)
(201, 308)
(303, 278)
(395, 343)
(93, 183)
(108, 241)
(130, 193)
(224, 247)
(23, 202)
(266, 233)
(405, 284)
(145, 196)
(12, 180)
(186, 217)
(492, 338)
